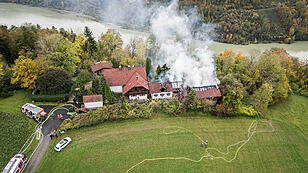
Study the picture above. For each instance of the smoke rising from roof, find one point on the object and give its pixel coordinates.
(189, 60)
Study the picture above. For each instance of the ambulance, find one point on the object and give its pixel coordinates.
(33, 111)
(16, 164)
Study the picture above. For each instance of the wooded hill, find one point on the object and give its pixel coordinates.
(236, 21)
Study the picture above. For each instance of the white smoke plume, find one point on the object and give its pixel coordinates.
(190, 62)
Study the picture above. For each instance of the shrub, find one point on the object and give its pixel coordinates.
(109, 113)
(207, 106)
(191, 102)
(221, 111)
(49, 98)
(55, 81)
(246, 111)
(172, 107)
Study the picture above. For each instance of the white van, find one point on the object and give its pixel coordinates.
(16, 164)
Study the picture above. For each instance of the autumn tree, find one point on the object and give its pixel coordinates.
(7, 46)
(262, 98)
(58, 52)
(25, 73)
(273, 73)
(86, 60)
(108, 44)
(25, 38)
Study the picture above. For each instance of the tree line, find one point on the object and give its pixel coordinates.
(251, 84)
(53, 60)
(235, 21)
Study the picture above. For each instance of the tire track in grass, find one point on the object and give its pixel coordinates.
(250, 132)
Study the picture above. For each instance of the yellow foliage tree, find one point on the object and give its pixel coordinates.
(80, 41)
(1, 71)
(25, 72)
(1, 67)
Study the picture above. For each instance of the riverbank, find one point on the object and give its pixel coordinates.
(15, 14)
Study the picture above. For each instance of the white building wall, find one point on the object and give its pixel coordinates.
(138, 97)
(93, 105)
(116, 89)
(162, 95)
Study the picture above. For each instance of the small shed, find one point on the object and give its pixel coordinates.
(93, 101)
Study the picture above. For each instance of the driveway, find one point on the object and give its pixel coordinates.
(52, 123)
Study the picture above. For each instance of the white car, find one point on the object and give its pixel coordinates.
(63, 143)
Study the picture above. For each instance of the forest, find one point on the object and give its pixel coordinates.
(234, 21)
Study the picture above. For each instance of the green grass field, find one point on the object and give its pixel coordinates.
(292, 111)
(15, 128)
(116, 147)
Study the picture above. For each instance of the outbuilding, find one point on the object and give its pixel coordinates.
(93, 101)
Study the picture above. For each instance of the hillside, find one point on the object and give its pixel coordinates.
(236, 22)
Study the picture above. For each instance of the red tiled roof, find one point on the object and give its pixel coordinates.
(209, 93)
(136, 80)
(156, 87)
(92, 98)
(101, 65)
(117, 77)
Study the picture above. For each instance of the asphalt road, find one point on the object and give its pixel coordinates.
(52, 123)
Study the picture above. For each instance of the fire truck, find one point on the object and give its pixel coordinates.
(33, 111)
(16, 164)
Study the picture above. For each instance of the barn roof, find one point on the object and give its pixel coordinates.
(209, 93)
(136, 80)
(101, 65)
(120, 77)
(92, 98)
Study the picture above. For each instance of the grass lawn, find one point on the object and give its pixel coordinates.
(115, 147)
(292, 111)
(15, 127)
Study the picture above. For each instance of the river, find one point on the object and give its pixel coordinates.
(14, 14)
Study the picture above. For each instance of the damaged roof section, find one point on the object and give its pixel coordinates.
(209, 93)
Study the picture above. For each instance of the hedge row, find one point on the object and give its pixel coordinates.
(109, 113)
(49, 98)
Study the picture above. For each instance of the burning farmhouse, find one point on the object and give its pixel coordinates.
(132, 83)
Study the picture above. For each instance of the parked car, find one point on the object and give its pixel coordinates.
(16, 164)
(63, 143)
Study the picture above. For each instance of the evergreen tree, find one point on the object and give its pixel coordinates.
(90, 45)
(102, 83)
(148, 66)
(108, 95)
